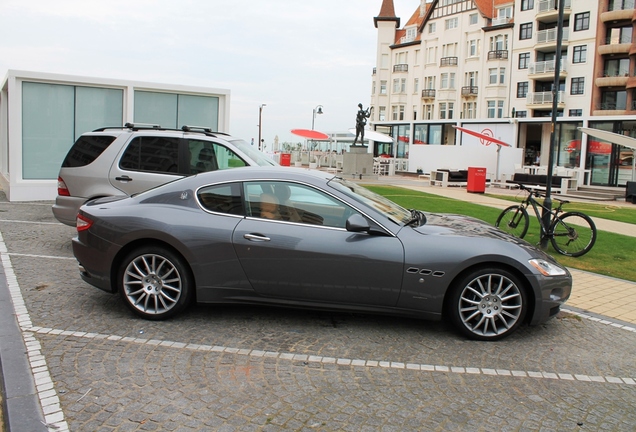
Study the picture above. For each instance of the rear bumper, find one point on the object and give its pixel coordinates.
(65, 209)
(94, 266)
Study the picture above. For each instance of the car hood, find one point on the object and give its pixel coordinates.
(464, 226)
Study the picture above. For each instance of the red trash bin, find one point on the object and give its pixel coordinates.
(285, 159)
(476, 180)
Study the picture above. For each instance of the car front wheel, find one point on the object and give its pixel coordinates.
(488, 304)
(154, 282)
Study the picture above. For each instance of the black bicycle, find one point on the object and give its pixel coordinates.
(571, 233)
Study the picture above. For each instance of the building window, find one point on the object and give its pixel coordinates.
(428, 111)
(414, 112)
(472, 19)
(525, 31)
(431, 28)
(396, 85)
(521, 114)
(403, 85)
(524, 60)
(451, 80)
(502, 75)
(579, 54)
(452, 23)
(416, 85)
(442, 110)
(401, 115)
(495, 109)
(492, 76)
(382, 114)
(469, 110)
(373, 87)
(443, 81)
(578, 86)
(473, 48)
(522, 89)
(576, 112)
(582, 21)
(451, 106)
(394, 112)
(527, 5)
(382, 87)
(429, 82)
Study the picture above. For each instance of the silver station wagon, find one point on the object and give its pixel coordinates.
(133, 158)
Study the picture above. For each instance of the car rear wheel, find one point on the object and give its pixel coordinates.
(488, 304)
(155, 282)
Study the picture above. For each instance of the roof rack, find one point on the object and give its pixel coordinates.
(148, 126)
(204, 129)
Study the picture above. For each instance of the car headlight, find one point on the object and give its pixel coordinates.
(547, 268)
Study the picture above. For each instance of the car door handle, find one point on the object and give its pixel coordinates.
(256, 237)
(123, 178)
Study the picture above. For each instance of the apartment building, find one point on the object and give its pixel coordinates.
(489, 65)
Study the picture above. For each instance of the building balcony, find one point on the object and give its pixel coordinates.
(500, 21)
(547, 39)
(428, 94)
(547, 10)
(614, 45)
(469, 91)
(448, 61)
(400, 68)
(545, 70)
(606, 108)
(618, 11)
(613, 79)
(498, 55)
(543, 100)
(375, 71)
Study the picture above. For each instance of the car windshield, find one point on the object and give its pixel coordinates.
(260, 158)
(388, 208)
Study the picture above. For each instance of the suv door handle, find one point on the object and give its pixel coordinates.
(123, 178)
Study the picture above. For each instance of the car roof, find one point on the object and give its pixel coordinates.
(264, 173)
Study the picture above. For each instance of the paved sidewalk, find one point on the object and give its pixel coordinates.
(607, 296)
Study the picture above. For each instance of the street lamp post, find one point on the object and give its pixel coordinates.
(260, 129)
(317, 110)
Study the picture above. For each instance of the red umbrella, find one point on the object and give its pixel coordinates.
(310, 134)
(482, 136)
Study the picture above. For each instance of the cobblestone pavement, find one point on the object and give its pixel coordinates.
(99, 368)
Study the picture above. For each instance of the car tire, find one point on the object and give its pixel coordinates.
(488, 304)
(155, 282)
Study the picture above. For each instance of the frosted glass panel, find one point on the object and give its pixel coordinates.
(198, 111)
(47, 128)
(97, 107)
(156, 108)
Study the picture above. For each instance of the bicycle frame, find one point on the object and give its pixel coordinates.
(535, 206)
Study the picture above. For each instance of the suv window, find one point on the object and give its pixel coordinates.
(149, 153)
(86, 149)
(209, 156)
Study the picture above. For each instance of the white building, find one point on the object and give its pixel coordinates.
(489, 66)
(41, 116)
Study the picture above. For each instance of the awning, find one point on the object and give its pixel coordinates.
(483, 137)
(374, 136)
(612, 137)
(310, 134)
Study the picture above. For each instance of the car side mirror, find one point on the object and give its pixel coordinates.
(357, 223)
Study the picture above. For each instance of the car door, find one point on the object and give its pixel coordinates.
(314, 258)
(146, 162)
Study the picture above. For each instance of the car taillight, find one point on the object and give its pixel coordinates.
(62, 190)
(82, 223)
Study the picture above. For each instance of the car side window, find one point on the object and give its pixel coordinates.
(294, 202)
(209, 156)
(150, 153)
(225, 198)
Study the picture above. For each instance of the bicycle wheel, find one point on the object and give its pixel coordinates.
(573, 234)
(514, 220)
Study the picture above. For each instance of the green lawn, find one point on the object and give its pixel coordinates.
(612, 255)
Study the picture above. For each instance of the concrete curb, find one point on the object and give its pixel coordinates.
(21, 403)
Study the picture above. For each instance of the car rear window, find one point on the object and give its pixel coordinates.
(86, 149)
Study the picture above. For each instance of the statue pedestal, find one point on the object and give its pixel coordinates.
(358, 161)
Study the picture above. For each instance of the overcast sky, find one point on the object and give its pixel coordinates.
(289, 54)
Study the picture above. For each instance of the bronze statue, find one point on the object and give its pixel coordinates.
(361, 122)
